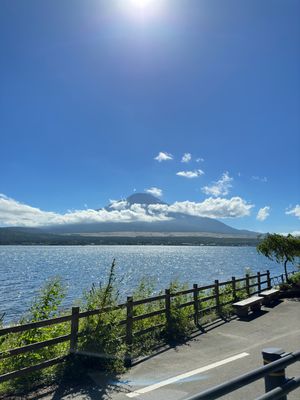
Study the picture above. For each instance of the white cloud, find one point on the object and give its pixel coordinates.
(200, 159)
(294, 211)
(263, 213)
(154, 191)
(235, 207)
(220, 187)
(186, 158)
(118, 204)
(162, 156)
(259, 178)
(14, 213)
(190, 174)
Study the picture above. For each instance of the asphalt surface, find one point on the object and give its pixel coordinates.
(225, 351)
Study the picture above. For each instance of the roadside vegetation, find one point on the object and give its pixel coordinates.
(282, 249)
(101, 341)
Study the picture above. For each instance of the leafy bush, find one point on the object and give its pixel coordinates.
(295, 279)
(101, 344)
(180, 324)
(226, 296)
(45, 305)
(143, 344)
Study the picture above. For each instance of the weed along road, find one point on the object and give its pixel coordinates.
(225, 351)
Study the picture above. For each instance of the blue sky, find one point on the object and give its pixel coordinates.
(91, 92)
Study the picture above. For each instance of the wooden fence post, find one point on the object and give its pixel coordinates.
(248, 285)
(258, 282)
(196, 304)
(129, 327)
(217, 293)
(268, 280)
(233, 282)
(168, 309)
(74, 329)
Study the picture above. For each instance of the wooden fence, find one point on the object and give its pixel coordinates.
(198, 296)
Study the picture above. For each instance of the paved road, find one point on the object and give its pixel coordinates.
(222, 353)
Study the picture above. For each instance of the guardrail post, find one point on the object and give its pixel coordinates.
(233, 282)
(258, 282)
(129, 326)
(168, 309)
(269, 280)
(274, 379)
(248, 285)
(196, 304)
(74, 329)
(217, 293)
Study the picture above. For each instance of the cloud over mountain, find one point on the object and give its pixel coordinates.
(14, 213)
(154, 191)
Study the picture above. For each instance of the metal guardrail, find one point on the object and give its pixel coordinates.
(275, 382)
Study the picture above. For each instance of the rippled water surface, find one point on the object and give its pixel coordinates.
(24, 269)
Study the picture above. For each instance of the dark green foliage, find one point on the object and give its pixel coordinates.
(282, 249)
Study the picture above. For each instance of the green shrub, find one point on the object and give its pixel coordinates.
(180, 324)
(101, 344)
(45, 305)
(143, 344)
(295, 279)
(226, 296)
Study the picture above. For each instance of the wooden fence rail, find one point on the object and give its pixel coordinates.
(199, 295)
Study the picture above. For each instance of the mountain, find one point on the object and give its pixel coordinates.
(143, 198)
(179, 222)
(138, 198)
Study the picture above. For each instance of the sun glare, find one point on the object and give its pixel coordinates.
(141, 3)
(143, 9)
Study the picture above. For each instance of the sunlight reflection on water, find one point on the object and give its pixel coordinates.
(24, 269)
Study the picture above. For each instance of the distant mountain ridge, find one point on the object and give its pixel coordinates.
(180, 222)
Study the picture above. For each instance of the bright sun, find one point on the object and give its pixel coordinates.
(141, 3)
(143, 10)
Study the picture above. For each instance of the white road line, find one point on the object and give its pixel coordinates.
(186, 375)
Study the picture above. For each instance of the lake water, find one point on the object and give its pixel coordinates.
(24, 269)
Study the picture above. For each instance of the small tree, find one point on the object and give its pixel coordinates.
(282, 249)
